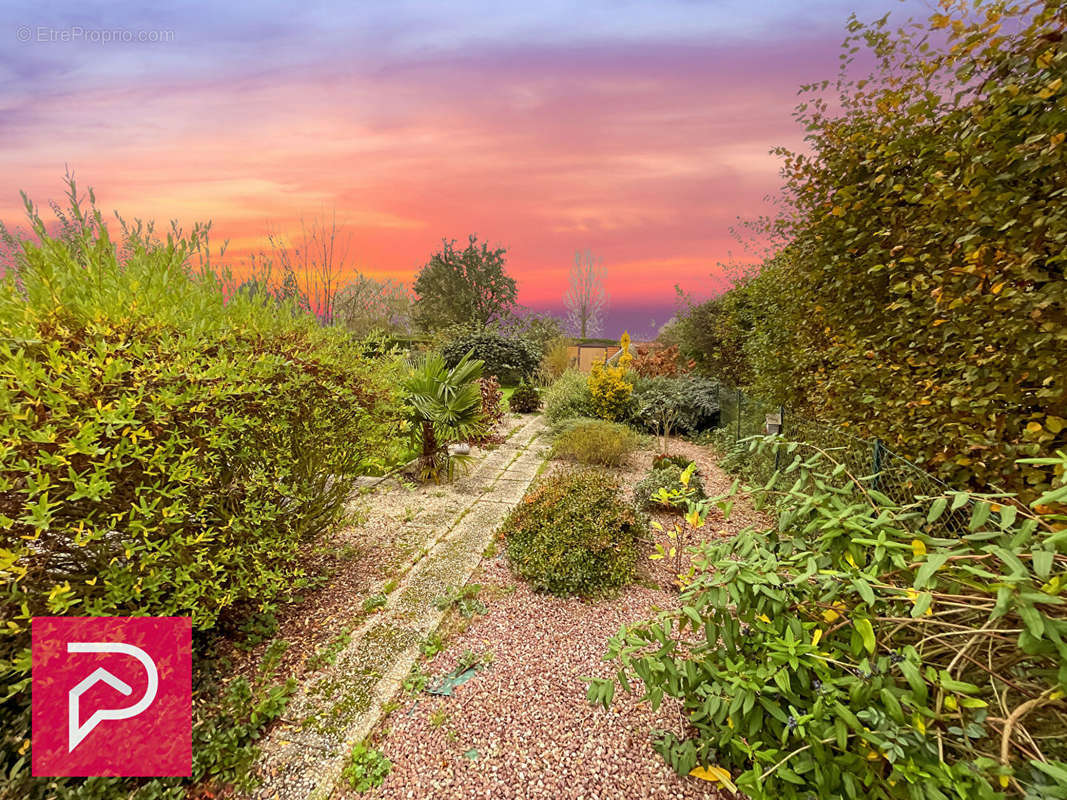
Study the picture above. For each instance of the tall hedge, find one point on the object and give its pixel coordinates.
(162, 450)
(922, 296)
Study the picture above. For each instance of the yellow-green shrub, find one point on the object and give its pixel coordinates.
(163, 450)
(610, 391)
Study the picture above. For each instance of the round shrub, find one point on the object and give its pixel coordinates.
(568, 397)
(572, 535)
(511, 359)
(595, 441)
(667, 477)
(685, 405)
(524, 399)
(661, 461)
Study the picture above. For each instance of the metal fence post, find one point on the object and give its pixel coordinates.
(877, 458)
(781, 432)
(738, 437)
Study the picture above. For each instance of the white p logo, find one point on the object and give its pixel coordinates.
(75, 732)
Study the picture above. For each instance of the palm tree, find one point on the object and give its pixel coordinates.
(446, 407)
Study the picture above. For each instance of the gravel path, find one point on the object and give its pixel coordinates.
(522, 727)
(443, 533)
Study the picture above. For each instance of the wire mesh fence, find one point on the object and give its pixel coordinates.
(867, 462)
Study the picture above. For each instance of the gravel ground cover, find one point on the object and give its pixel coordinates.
(522, 727)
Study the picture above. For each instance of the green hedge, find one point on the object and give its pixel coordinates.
(163, 450)
(921, 297)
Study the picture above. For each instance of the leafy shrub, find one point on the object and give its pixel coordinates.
(525, 399)
(610, 385)
(861, 648)
(609, 391)
(366, 768)
(511, 359)
(571, 535)
(568, 397)
(163, 450)
(595, 441)
(686, 405)
(669, 478)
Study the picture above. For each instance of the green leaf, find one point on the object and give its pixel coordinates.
(866, 632)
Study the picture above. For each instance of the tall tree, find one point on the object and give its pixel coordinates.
(462, 286)
(317, 261)
(586, 299)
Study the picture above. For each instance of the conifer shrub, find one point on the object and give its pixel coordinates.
(573, 535)
(525, 399)
(667, 477)
(595, 442)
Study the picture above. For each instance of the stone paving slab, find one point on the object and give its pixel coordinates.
(338, 707)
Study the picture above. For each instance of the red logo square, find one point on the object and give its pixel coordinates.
(112, 696)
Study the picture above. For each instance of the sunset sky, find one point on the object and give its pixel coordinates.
(639, 130)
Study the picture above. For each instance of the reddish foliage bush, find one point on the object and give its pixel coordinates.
(656, 362)
(492, 410)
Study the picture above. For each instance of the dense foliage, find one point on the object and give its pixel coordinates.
(686, 405)
(595, 441)
(510, 358)
(163, 451)
(464, 286)
(921, 296)
(572, 535)
(568, 397)
(525, 399)
(669, 477)
(867, 649)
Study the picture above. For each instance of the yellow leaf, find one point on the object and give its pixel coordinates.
(1004, 781)
(830, 614)
(816, 637)
(1033, 427)
(850, 559)
(997, 287)
(763, 618)
(950, 703)
(918, 547)
(715, 774)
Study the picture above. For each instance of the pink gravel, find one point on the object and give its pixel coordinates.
(526, 715)
(522, 727)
